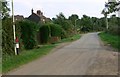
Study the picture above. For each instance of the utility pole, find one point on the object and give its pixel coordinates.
(119, 9)
(75, 24)
(106, 10)
(106, 19)
(14, 28)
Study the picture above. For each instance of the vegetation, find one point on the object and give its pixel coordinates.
(112, 7)
(113, 40)
(70, 39)
(91, 24)
(28, 34)
(56, 30)
(44, 33)
(66, 29)
(11, 62)
(7, 37)
(112, 34)
(4, 9)
(114, 25)
(113, 21)
(65, 24)
(73, 18)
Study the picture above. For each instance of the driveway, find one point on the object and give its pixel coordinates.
(86, 56)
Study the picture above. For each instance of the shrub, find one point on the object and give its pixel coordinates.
(44, 33)
(7, 37)
(28, 33)
(114, 25)
(56, 30)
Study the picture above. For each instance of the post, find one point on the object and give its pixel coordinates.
(119, 9)
(75, 24)
(14, 28)
(106, 10)
(106, 22)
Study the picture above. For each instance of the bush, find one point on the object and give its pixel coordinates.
(64, 34)
(114, 25)
(44, 33)
(7, 37)
(114, 30)
(28, 33)
(56, 30)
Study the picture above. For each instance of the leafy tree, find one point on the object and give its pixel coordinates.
(86, 23)
(4, 12)
(98, 24)
(113, 21)
(63, 22)
(113, 7)
(73, 18)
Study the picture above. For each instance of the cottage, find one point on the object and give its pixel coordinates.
(38, 17)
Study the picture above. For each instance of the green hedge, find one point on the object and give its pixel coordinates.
(56, 30)
(44, 33)
(7, 37)
(28, 33)
(49, 30)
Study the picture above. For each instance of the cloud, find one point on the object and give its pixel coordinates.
(52, 7)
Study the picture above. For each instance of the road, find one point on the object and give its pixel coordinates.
(86, 56)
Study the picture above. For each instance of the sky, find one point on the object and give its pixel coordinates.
(51, 8)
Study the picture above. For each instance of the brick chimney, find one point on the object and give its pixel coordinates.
(32, 11)
(39, 12)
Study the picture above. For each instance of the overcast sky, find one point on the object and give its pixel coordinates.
(51, 8)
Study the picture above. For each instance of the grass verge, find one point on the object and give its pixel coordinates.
(70, 39)
(11, 62)
(113, 40)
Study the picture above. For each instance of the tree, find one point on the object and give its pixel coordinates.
(73, 18)
(86, 23)
(60, 20)
(63, 22)
(113, 6)
(4, 13)
(113, 23)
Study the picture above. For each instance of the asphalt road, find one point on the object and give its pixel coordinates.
(85, 56)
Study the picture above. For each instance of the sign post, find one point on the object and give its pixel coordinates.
(14, 28)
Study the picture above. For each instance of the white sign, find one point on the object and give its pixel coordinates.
(17, 45)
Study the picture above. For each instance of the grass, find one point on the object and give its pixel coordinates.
(11, 62)
(70, 39)
(113, 40)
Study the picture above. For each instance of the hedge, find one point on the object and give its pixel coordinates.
(44, 33)
(28, 33)
(7, 37)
